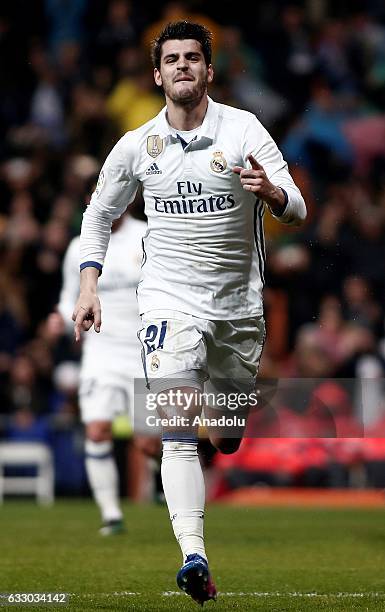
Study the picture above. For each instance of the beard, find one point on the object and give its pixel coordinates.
(190, 94)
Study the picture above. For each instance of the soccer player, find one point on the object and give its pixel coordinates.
(208, 172)
(109, 360)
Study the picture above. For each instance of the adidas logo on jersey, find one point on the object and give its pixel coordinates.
(153, 169)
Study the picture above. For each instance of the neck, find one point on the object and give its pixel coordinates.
(187, 116)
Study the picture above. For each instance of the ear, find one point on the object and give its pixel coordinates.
(157, 77)
(210, 73)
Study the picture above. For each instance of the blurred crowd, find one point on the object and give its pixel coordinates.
(75, 75)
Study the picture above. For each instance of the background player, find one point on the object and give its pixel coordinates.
(200, 295)
(110, 360)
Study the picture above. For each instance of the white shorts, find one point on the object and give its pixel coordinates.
(179, 349)
(104, 402)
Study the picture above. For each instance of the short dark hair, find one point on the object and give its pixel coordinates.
(182, 30)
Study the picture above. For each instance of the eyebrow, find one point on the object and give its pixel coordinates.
(187, 54)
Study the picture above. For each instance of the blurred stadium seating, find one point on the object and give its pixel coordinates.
(74, 76)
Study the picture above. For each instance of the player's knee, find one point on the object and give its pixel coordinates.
(227, 446)
(99, 431)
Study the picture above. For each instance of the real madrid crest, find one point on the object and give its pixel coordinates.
(155, 363)
(154, 145)
(218, 163)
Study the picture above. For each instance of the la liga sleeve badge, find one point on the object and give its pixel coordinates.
(100, 183)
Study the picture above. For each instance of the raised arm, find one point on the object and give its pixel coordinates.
(267, 175)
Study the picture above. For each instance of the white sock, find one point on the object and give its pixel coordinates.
(184, 489)
(103, 478)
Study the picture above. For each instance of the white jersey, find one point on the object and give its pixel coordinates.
(112, 355)
(204, 248)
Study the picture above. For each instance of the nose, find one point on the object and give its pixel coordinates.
(182, 63)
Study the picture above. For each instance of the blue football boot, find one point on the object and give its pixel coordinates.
(194, 579)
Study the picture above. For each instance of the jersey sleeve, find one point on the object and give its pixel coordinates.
(260, 144)
(115, 190)
(70, 284)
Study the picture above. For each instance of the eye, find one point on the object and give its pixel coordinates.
(193, 57)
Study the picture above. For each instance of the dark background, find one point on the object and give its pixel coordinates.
(75, 75)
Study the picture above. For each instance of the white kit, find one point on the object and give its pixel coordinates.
(111, 358)
(204, 247)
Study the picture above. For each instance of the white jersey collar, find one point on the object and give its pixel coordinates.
(208, 128)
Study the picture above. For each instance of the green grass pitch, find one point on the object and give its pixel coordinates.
(262, 559)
